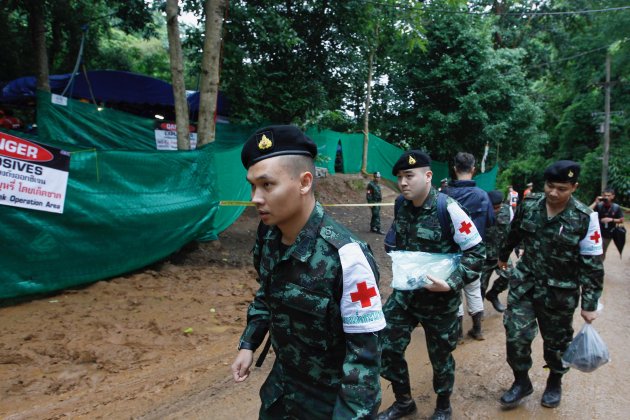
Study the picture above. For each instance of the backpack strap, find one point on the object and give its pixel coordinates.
(443, 213)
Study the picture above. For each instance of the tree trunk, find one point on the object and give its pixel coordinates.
(366, 118)
(210, 65)
(177, 75)
(38, 37)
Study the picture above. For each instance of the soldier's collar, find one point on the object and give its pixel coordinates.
(303, 246)
(430, 200)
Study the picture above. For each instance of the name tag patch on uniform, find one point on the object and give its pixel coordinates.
(361, 308)
(592, 242)
(466, 233)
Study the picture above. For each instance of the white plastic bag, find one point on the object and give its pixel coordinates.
(587, 351)
(410, 268)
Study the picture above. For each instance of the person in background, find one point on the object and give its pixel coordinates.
(561, 268)
(443, 184)
(512, 198)
(318, 297)
(477, 204)
(434, 306)
(610, 215)
(374, 195)
(495, 235)
(528, 189)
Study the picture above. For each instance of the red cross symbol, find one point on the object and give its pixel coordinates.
(465, 227)
(363, 294)
(596, 237)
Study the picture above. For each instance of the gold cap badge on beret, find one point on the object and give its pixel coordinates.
(570, 174)
(412, 161)
(264, 143)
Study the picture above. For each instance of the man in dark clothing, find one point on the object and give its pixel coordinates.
(478, 205)
(609, 214)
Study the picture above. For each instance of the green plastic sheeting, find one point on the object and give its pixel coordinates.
(128, 205)
(381, 157)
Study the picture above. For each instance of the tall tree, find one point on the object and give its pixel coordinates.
(177, 74)
(210, 67)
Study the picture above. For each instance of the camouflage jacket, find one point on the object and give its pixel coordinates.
(561, 252)
(497, 233)
(373, 194)
(419, 229)
(321, 305)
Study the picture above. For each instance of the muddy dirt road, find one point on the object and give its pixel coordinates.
(157, 343)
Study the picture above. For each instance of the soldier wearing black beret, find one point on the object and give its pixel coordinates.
(431, 222)
(563, 171)
(411, 159)
(277, 140)
(318, 297)
(561, 269)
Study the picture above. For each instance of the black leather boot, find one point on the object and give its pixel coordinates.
(493, 297)
(403, 406)
(443, 410)
(553, 391)
(521, 388)
(476, 332)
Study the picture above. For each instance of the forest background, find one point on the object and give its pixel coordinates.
(527, 78)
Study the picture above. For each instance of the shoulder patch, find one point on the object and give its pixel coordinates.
(466, 233)
(592, 242)
(334, 234)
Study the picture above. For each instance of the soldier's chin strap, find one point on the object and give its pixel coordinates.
(264, 352)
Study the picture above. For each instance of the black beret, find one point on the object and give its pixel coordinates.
(411, 159)
(563, 171)
(496, 197)
(276, 140)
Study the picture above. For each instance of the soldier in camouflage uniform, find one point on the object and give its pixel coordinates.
(562, 245)
(495, 235)
(374, 195)
(318, 295)
(418, 228)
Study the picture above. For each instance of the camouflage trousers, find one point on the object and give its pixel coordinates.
(375, 222)
(551, 310)
(440, 332)
(294, 399)
(500, 284)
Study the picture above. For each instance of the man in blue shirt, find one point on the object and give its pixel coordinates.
(479, 208)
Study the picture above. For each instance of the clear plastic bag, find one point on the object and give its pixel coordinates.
(410, 268)
(587, 351)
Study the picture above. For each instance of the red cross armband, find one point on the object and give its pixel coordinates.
(591, 244)
(466, 234)
(361, 308)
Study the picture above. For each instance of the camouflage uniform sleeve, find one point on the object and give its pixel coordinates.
(469, 267)
(469, 241)
(378, 196)
(257, 314)
(360, 393)
(513, 237)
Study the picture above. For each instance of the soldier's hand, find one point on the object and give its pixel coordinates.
(503, 265)
(240, 367)
(589, 316)
(437, 285)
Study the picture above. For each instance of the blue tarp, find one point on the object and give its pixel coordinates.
(107, 86)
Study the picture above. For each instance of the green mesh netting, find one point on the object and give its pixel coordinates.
(128, 205)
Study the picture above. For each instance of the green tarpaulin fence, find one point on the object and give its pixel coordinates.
(128, 205)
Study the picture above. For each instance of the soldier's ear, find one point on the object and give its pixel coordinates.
(306, 182)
